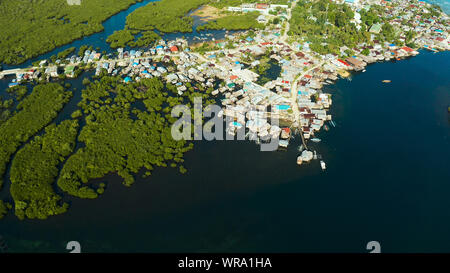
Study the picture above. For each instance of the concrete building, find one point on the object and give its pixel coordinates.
(73, 2)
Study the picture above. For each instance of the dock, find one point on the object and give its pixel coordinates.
(294, 103)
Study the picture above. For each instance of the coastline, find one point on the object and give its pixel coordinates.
(205, 64)
(314, 212)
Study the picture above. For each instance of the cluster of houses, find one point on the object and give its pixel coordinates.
(250, 107)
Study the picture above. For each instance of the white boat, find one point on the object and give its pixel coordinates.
(315, 139)
(322, 165)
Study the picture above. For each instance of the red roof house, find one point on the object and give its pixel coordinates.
(407, 49)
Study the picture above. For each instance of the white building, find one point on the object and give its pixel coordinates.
(261, 19)
(235, 9)
(73, 2)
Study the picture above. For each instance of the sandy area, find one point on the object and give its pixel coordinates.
(208, 13)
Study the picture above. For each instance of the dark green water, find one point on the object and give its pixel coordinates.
(387, 180)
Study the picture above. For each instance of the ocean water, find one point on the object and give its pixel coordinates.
(445, 4)
(386, 180)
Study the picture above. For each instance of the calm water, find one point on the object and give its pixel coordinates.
(386, 180)
(445, 4)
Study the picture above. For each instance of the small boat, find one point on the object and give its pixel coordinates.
(333, 123)
(326, 127)
(386, 81)
(322, 165)
(299, 160)
(315, 139)
(364, 70)
(300, 148)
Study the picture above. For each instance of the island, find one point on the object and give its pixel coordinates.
(267, 74)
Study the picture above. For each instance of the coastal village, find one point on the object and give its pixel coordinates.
(294, 98)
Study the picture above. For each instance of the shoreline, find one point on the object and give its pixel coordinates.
(75, 39)
(296, 94)
(151, 188)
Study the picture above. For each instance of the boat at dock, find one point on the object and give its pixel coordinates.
(322, 165)
(306, 156)
(315, 139)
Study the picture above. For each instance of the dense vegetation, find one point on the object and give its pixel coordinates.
(19, 91)
(6, 106)
(148, 38)
(32, 27)
(4, 207)
(165, 16)
(262, 69)
(234, 22)
(124, 37)
(34, 112)
(65, 53)
(35, 168)
(327, 25)
(120, 138)
(5, 111)
(120, 38)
